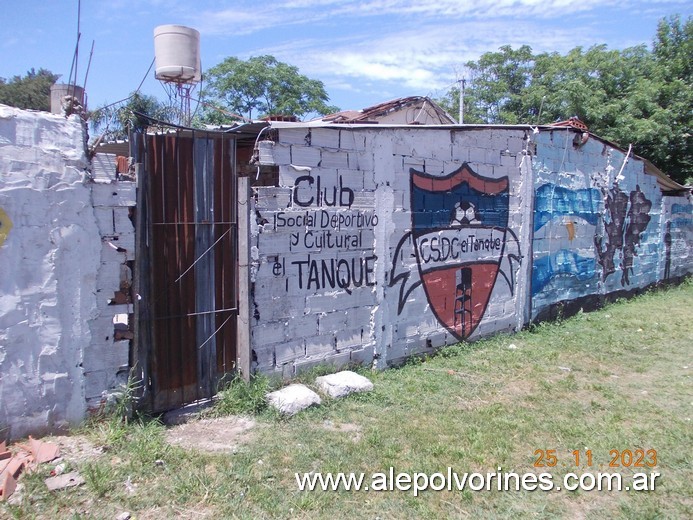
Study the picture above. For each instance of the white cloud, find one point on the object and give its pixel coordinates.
(233, 21)
(290, 11)
(418, 45)
(11, 42)
(421, 59)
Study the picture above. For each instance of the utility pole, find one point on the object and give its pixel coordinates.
(460, 117)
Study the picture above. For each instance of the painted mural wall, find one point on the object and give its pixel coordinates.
(380, 243)
(676, 228)
(383, 242)
(597, 218)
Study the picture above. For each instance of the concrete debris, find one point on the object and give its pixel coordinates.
(292, 399)
(71, 479)
(26, 458)
(343, 383)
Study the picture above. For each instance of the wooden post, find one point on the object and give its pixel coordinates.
(243, 328)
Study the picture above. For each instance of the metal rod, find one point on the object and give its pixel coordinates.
(203, 254)
(193, 223)
(215, 332)
(86, 74)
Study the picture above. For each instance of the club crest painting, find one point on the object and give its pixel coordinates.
(462, 243)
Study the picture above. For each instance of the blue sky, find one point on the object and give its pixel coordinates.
(365, 52)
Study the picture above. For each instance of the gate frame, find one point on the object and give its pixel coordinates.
(143, 348)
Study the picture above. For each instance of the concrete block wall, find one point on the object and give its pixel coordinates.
(337, 274)
(676, 253)
(597, 222)
(55, 264)
(380, 243)
(107, 360)
(313, 283)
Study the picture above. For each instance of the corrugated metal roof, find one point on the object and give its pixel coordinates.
(376, 112)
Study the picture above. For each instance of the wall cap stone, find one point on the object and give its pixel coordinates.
(343, 383)
(292, 399)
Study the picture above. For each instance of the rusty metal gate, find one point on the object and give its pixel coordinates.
(187, 269)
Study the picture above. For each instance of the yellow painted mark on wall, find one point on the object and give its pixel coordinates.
(5, 226)
(570, 226)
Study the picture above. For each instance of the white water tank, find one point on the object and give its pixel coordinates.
(177, 54)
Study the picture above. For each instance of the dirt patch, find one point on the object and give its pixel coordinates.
(220, 435)
(509, 392)
(354, 430)
(76, 448)
(196, 513)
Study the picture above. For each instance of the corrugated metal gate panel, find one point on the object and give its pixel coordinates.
(193, 300)
(226, 257)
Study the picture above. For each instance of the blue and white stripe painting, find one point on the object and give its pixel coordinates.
(565, 223)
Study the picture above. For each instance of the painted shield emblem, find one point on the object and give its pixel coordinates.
(459, 228)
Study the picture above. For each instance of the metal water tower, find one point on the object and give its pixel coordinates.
(177, 59)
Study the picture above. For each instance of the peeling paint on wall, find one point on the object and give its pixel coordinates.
(57, 347)
(49, 263)
(5, 226)
(623, 225)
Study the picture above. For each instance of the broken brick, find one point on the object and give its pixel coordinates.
(43, 451)
(28, 457)
(7, 485)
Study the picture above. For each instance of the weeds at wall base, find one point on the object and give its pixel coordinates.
(240, 397)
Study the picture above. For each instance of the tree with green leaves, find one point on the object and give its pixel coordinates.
(673, 54)
(261, 86)
(114, 122)
(499, 80)
(634, 96)
(30, 92)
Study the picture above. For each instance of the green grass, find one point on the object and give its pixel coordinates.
(240, 397)
(618, 378)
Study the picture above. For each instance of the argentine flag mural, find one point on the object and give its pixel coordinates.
(565, 222)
